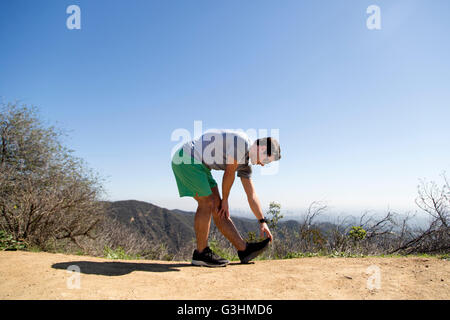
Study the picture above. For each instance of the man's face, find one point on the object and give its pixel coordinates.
(261, 156)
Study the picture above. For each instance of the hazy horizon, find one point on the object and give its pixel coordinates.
(330, 211)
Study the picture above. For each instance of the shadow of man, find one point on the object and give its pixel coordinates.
(116, 268)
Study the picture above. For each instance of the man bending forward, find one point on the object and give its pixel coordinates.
(232, 152)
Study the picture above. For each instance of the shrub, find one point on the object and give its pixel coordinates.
(46, 194)
(357, 233)
(7, 242)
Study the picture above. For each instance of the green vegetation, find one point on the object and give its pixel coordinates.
(227, 254)
(357, 233)
(118, 254)
(274, 215)
(7, 242)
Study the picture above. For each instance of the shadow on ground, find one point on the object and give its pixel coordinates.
(118, 268)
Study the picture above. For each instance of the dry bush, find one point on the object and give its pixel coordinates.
(46, 194)
(114, 235)
(435, 201)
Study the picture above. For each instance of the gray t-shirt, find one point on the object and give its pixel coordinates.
(214, 147)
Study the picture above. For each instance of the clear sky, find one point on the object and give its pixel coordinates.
(362, 114)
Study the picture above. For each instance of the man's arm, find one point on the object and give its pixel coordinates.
(252, 198)
(228, 179)
(255, 205)
(227, 183)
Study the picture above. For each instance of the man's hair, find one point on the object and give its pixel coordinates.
(273, 147)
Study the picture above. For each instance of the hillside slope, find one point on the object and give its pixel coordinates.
(28, 275)
(153, 222)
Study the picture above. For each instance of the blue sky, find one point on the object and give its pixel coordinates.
(362, 114)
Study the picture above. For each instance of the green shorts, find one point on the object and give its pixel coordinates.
(193, 179)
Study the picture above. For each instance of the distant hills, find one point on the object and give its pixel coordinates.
(174, 227)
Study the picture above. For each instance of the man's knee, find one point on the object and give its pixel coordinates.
(206, 202)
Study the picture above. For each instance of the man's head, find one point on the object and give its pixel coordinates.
(264, 151)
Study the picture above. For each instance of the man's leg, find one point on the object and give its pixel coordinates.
(225, 225)
(209, 205)
(202, 220)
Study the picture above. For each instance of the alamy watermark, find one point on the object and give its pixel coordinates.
(226, 142)
(74, 20)
(74, 281)
(374, 20)
(374, 279)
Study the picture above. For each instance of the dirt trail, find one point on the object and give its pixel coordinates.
(28, 275)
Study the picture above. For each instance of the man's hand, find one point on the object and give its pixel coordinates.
(224, 213)
(264, 229)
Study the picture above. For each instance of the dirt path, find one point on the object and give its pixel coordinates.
(28, 275)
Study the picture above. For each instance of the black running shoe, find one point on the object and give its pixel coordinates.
(253, 250)
(207, 258)
(216, 256)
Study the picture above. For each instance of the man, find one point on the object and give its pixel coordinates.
(232, 152)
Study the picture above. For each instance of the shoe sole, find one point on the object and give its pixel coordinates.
(206, 264)
(254, 254)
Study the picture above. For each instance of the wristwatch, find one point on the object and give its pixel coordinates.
(263, 220)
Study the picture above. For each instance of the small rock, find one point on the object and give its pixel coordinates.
(348, 277)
